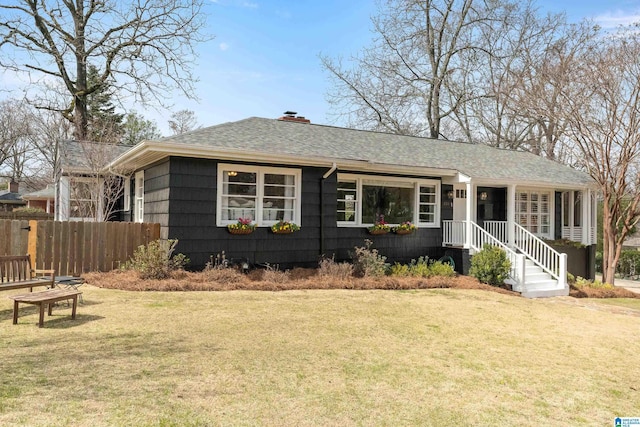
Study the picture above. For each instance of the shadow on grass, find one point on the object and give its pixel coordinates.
(27, 309)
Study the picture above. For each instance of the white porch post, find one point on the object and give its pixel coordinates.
(511, 215)
(470, 202)
(586, 215)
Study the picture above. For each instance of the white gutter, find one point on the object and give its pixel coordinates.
(148, 152)
(330, 171)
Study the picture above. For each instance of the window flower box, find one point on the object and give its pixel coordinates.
(284, 227)
(243, 226)
(405, 228)
(380, 227)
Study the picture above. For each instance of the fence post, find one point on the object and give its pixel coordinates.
(32, 242)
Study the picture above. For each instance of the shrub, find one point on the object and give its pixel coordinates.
(401, 270)
(582, 283)
(441, 269)
(629, 264)
(368, 262)
(155, 260)
(28, 210)
(275, 275)
(490, 266)
(422, 268)
(328, 267)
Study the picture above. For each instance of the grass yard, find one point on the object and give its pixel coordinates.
(443, 357)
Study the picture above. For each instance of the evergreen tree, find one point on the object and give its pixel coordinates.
(136, 128)
(104, 124)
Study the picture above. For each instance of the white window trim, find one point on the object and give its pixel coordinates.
(138, 206)
(260, 172)
(127, 194)
(552, 209)
(75, 179)
(402, 182)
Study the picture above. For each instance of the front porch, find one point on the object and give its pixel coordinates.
(519, 219)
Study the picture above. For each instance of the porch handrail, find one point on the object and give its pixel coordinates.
(454, 232)
(543, 255)
(497, 229)
(480, 237)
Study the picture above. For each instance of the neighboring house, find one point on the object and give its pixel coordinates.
(11, 198)
(87, 188)
(632, 243)
(334, 182)
(42, 199)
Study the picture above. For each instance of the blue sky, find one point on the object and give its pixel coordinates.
(263, 59)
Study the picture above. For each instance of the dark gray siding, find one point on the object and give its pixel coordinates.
(190, 214)
(156, 196)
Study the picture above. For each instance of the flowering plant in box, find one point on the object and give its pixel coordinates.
(404, 228)
(380, 226)
(284, 227)
(243, 226)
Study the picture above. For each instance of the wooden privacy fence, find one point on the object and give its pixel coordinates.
(72, 248)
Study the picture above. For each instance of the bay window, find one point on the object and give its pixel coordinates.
(264, 195)
(364, 200)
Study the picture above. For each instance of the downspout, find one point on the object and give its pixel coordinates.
(327, 174)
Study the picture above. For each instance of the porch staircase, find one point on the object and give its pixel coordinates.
(537, 270)
(539, 284)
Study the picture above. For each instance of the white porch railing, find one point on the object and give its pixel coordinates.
(454, 233)
(481, 237)
(547, 258)
(497, 229)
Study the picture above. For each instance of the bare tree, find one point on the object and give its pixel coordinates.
(142, 47)
(604, 125)
(416, 74)
(15, 130)
(95, 192)
(183, 121)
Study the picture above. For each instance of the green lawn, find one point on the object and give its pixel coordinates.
(307, 358)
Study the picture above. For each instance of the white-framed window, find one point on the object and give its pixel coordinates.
(127, 194)
(138, 212)
(363, 200)
(84, 199)
(533, 211)
(265, 195)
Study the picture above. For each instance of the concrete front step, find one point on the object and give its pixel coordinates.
(540, 284)
(546, 293)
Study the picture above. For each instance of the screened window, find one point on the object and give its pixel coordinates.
(83, 198)
(533, 212)
(363, 200)
(264, 195)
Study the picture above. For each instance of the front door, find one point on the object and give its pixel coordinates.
(460, 202)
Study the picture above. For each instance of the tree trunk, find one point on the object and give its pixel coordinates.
(80, 96)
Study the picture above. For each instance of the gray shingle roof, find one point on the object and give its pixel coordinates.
(88, 155)
(478, 161)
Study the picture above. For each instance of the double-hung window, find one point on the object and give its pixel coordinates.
(138, 214)
(364, 200)
(263, 194)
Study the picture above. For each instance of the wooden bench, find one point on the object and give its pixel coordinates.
(16, 273)
(45, 298)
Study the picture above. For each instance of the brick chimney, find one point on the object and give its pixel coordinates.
(13, 186)
(290, 116)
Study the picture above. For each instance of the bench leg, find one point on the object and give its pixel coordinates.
(41, 322)
(75, 304)
(15, 312)
(50, 308)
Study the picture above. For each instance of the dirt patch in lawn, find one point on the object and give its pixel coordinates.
(229, 279)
